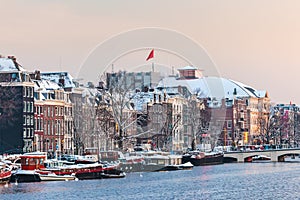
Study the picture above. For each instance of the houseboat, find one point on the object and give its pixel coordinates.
(198, 158)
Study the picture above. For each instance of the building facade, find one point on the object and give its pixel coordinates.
(16, 108)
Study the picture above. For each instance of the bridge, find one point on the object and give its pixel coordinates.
(276, 155)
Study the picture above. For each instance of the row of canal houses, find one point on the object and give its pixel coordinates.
(52, 112)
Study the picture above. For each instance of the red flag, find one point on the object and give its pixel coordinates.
(151, 55)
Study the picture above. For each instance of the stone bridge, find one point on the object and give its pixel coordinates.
(276, 155)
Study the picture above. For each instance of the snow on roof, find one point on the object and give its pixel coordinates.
(209, 87)
(7, 64)
(55, 76)
(261, 93)
(249, 90)
(140, 99)
(188, 68)
(44, 86)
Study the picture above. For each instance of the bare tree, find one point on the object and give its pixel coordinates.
(117, 93)
(197, 120)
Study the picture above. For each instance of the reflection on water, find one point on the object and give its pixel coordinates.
(228, 181)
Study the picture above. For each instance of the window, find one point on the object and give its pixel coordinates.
(31, 132)
(28, 107)
(24, 91)
(31, 92)
(25, 106)
(24, 132)
(229, 124)
(28, 91)
(41, 124)
(36, 124)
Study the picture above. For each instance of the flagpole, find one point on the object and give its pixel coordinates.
(152, 66)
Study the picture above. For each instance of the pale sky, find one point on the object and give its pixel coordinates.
(256, 42)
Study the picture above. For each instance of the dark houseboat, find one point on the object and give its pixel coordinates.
(198, 158)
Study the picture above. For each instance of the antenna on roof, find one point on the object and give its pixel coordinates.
(112, 68)
(60, 63)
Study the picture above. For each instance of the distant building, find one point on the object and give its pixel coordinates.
(285, 120)
(234, 108)
(16, 108)
(133, 80)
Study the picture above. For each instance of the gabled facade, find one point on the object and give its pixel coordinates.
(53, 118)
(16, 108)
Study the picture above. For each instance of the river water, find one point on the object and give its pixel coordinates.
(227, 181)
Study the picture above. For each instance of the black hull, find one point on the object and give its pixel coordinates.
(5, 180)
(207, 160)
(140, 167)
(112, 173)
(25, 178)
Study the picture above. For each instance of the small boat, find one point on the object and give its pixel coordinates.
(185, 166)
(30, 162)
(199, 158)
(261, 158)
(87, 159)
(53, 177)
(5, 173)
(292, 158)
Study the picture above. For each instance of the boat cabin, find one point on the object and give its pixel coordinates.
(33, 161)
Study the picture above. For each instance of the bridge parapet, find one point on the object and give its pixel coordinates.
(275, 154)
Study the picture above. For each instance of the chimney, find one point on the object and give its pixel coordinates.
(61, 80)
(101, 85)
(14, 59)
(37, 75)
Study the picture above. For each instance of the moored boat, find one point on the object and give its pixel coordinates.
(144, 161)
(54, 177)
(30, 162)
(185, 166)
(86, 171)
(5, 173)
(261, 158)
(198, 158)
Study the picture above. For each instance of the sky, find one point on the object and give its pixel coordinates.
(255, 42)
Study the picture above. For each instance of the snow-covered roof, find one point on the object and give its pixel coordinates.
(205, 87)
(55, 76)
(188, 68)
(44, 86)
(140, 99)
(7, 64)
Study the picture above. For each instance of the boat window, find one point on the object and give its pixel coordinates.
(31, 161)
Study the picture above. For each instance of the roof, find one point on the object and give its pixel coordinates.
(188, 68)
(55, 76)
(44, 86)
(213, 87)
(7, 64)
